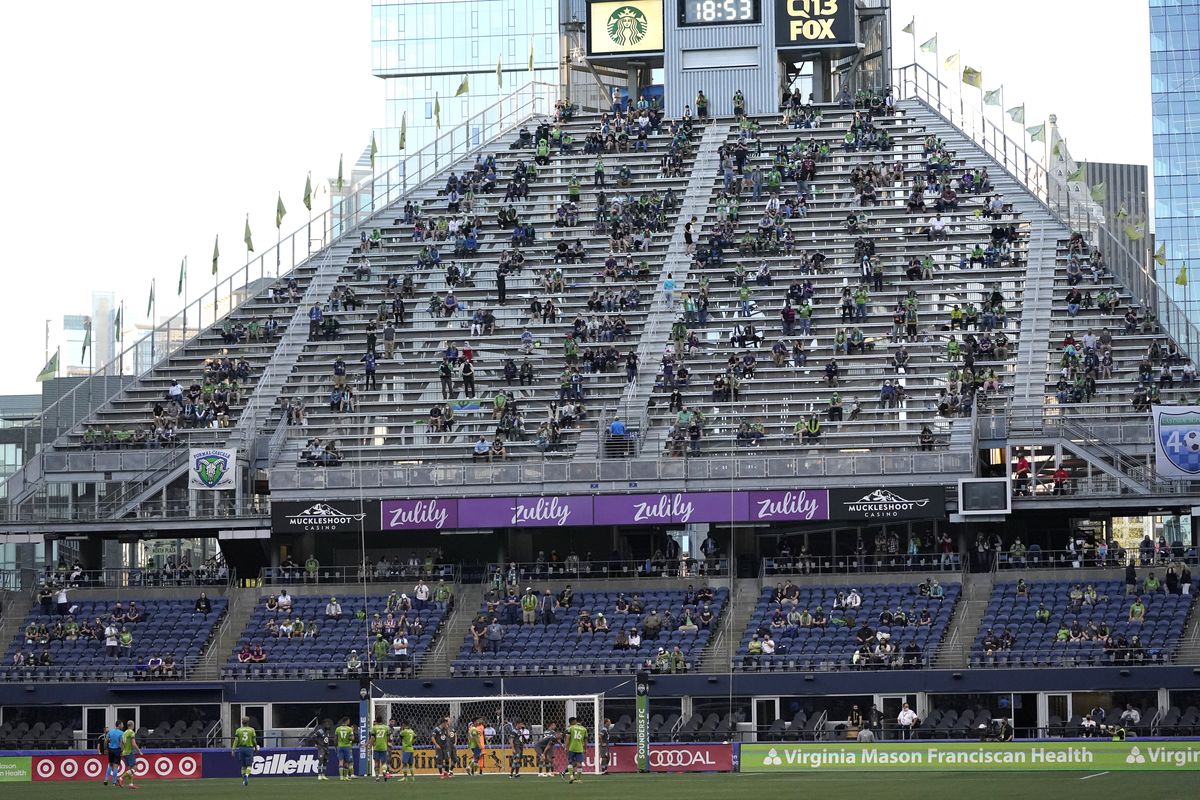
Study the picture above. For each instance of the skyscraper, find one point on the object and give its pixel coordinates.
(1175, 90)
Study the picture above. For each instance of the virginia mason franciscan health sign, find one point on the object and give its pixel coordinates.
(814, 23)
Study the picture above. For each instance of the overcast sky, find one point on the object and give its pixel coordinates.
(134, 131)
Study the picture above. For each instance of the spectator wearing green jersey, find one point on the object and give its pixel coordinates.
(245, 745)
(576, 738)
(379, 748)
(343, 736)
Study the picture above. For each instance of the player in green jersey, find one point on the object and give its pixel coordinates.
(407, 737)
(245, 745)
(344, 737)
(379, 748)
(576, 739)
(475, 738)
(129, 753)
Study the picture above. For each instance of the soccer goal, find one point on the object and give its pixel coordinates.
(522, 734)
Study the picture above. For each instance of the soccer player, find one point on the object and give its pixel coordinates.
(516, 740)
(343, 734)
(379, 747)
(245, 745)
(407, 736)
(129, 753)
(112, 744)
(475, 739)
(320, 739)
(576, 738)
(443, 744)
(545, 751)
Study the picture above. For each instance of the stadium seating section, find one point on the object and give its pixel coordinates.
(559, 648)
(834, 646)
(1036, 644)
(326, 654)
(169, 627)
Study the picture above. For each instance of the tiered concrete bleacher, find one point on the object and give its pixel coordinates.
(779, 397)
(167, 627)
(833, 646)
(326, 654)
(1036, 644)
(391, 425)
(559, 648)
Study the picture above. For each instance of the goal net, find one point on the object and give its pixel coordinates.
(522, 734)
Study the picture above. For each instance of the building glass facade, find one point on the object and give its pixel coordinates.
(424, 48)
(1175, 88)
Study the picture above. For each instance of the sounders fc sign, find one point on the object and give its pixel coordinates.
(814, 23)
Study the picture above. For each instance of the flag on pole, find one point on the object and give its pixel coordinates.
(150, 304)
(972, 77)
(994, 97)
(911, 27)
(952, 62)
(531, 54)
(1099, 192)
(182, 276)
(1135, 232)
(308, 191)
(50, 370)
(87, 337)
(1160, 255)
(1037, 133)
(437, 111)
(1180, 279)
(117, 322)
(1122, 212)
(340, 182)
(280, 211)
(1079, 173)
(463, 87)
(216, 251)
(374, 150)
(499, 73)
(1017, 114)
(1056, 150)
(930, 46)
(246, 236)
(403, 130)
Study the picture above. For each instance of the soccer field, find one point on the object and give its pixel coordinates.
(893, 786)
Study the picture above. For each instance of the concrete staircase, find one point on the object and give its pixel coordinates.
(954, 651)
(718, 656)
(467, 599)
(1189, 644)
(237, 616)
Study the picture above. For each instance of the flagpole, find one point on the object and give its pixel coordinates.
(185, 298)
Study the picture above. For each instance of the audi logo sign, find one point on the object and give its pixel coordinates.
(91, 767)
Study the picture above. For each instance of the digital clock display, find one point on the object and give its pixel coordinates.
(719, 12)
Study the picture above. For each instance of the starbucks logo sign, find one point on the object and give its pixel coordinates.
(627, 26)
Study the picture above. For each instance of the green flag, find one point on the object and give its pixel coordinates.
(403, 130)
(1056, 150)
(499, 73)
(531, 54)
(911, 27)
(87, 337)
(437, 111)
(463, 87)
(1099, 192)
(374, 150)
(1160, 255)
(182, 276)
(1079, 173)
(1135, 232)
(1017, 114)
(994, 97)
(930, 46)
(216, 251)
(246, 236)
(308, 191)
(1122, 212)
(50, 370)
(280, 211)
(973, 77)
(340, 182)
(150, 303)
(1037, 133)
(1180, 280)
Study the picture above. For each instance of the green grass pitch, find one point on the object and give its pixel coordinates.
(892, 786)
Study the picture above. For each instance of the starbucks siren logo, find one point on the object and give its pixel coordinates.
(627, 26)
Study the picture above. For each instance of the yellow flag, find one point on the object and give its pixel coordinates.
(437, 111)
(463, 87)
(403, 130)
(972, 77)
(1099, 192)
(952, 63)
(1160, 255)
(1181, 279)
(911, 26)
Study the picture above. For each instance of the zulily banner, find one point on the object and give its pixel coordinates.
(1173, 756)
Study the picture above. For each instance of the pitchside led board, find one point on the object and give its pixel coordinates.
(814, 23)
(1177, 442)
(633, 27)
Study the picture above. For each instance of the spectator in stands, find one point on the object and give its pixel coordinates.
(333, 609)
(203, 605)
(1137, 611)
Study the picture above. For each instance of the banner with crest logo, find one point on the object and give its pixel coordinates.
(211, 468)
(1177, 442)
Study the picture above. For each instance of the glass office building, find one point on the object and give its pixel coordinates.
(1175, 87)
(424, 48)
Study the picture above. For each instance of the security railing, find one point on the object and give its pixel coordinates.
(517, 573)
(805, 564)
(389, 573)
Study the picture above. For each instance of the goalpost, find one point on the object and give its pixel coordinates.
(501, 715)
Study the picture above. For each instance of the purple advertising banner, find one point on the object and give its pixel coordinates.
(796, 504)
(419, 515)
(524, 512)
(671, 508)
